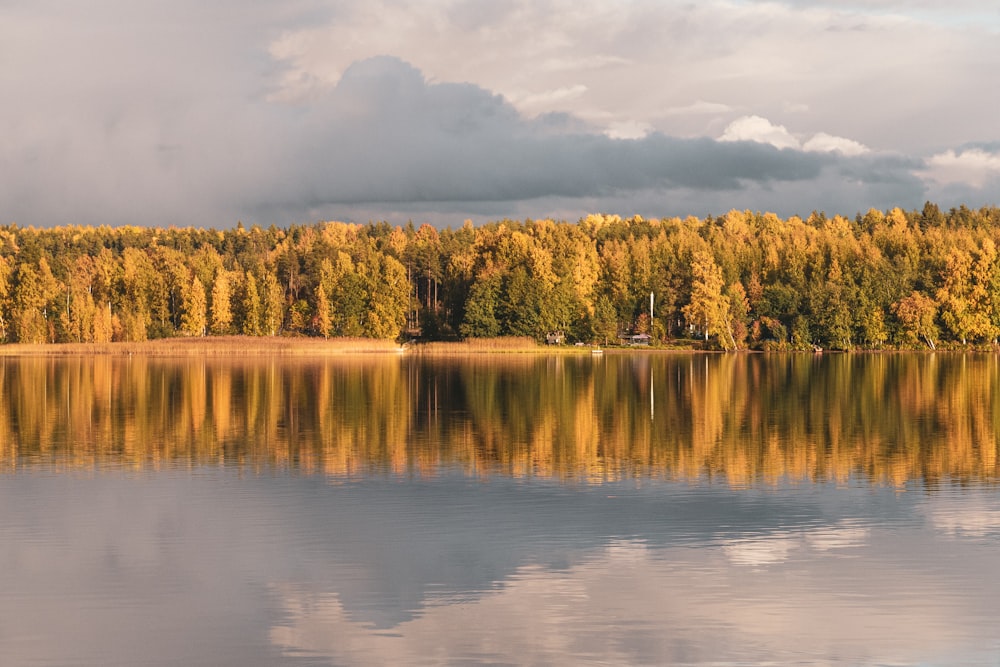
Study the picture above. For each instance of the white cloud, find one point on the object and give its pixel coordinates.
(760, 130)
(827, 143)
(628, 129)
(973, 166)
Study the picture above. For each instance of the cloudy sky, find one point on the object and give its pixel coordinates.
(283, 111)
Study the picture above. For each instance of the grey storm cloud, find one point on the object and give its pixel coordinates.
(882, 169)
(385, 134)
(382, 137)
(116, 112)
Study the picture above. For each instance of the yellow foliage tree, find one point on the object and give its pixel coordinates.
(709, 308)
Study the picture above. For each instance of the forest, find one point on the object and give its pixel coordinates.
(883, 280)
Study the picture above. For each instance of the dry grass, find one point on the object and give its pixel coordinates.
(223, 346)
(502, 345)
(251, 346)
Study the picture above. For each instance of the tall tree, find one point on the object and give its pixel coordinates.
(29, 322)
(138, 284)
(323, 324)
(222, 307)
(194, 316)
(273, 304)
(957, 309)
(251, 325)
(709, 308)
(389, 292)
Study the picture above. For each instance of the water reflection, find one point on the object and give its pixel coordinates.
(744, 419)
(215, 568)
(756, 589)
(630, 605)
(759, 590)
(652, 509)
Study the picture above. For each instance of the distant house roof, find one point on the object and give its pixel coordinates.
(638, 339)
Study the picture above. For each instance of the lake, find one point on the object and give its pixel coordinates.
(626, 509)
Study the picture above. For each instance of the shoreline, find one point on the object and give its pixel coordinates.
(221, 346)
(258, 346)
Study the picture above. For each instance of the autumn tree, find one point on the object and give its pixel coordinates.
(955, 296)
(709, 308)
(78, 316)
(481, 308)
(605, 322)
(251, 320)
(273, 304)
(194, 315)
(739, 314)
(28, 302)
(830, 300)
(222, 307)
(916, 315)
(388, 289)
(5, 293)
(322, 322)
(885, 276)
(138, 285)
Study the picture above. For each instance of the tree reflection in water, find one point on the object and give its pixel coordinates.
(743, 419)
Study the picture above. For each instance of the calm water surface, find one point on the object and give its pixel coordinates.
(630, 509)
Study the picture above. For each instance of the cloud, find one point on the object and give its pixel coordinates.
(386, 141)
(547, 98)
(827, 143)
(965, 175)
(759, 130)
(185, 113)
(879, 62)
(700, 107)
(973, 166)
(628, 130)
(384, 134)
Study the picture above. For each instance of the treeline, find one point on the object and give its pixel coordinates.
(883, 279)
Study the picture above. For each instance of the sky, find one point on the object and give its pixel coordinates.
(293, 111)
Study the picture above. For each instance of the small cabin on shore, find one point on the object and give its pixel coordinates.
(555, 338)
(637, 339)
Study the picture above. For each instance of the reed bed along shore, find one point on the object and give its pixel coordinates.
(250, 346)
(222, 346)
(245, 346)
